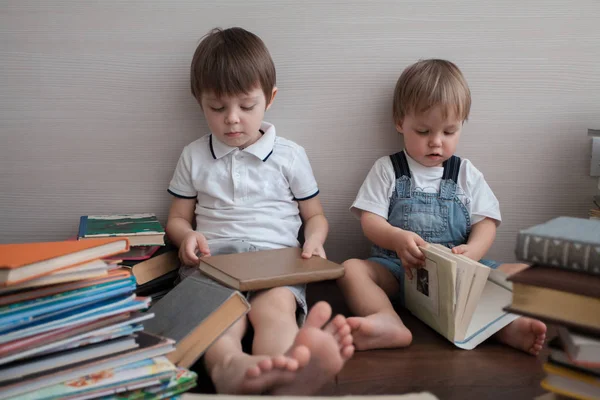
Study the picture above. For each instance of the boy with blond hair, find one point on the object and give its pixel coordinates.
(423, 194)
(246, 189)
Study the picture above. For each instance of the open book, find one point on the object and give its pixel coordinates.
(458, 297)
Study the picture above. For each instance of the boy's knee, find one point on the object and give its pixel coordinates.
(354, 269)
(272, 303)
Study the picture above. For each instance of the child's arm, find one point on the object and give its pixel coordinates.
(480, 240)
(405, 243)
(315, 227)
(179, 230)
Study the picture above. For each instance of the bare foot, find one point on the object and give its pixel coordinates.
(247, 374)
(524, 334)
(378, 331)
(330, 345)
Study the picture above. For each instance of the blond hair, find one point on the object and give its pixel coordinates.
(231, 62)
(430, 83)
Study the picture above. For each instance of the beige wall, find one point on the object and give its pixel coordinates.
(95, 106)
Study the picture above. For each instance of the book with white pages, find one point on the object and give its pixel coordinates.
(459, 298)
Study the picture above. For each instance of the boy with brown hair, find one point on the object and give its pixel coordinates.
(247, 189)
(423, 194)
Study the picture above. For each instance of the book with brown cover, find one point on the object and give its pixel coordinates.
(558, 279)
(556, 296)
(268, 268)
(195, 313)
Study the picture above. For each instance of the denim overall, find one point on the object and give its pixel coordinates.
(436, 217)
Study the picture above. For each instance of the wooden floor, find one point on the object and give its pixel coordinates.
(431, 363)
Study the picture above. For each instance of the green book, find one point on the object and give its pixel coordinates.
(140, 229)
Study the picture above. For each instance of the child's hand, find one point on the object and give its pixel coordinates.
(313, 248)
(462, 249)
(407, 249)
(193, 242)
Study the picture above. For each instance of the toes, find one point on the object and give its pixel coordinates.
(335, 324)
(354, 323)
(318, 315)
(265, 365)
(253, 372)
(279, 362)
(301, 354)
(346, 340)
(347, 352)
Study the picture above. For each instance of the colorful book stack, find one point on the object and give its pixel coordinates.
(562, 287)
(71, 326)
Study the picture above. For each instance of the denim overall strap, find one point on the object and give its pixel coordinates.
(450, 178)
(402, 172)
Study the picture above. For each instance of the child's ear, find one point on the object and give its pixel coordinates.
(273, 93)
(399, 126)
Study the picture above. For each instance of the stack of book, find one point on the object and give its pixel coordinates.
(71, 326)
(562, 287)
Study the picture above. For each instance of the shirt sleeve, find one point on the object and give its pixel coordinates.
(484, 203)
(375, 192)
(302, 180)
(181, 184)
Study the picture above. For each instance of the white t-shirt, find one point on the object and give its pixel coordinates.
(249, 194)
(473, 191)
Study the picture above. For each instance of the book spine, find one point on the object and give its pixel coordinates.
(558, 253)
(82, 226)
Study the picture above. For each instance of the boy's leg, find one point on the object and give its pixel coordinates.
(524, 333)
(273, 316)
(367, 286)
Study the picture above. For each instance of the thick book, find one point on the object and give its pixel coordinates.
(194, 314)
(458, 297)
(557, 295)
(570, 383)
(563, 242)
(155, 267)
(266, 269)
(25, 261)
(140, 229)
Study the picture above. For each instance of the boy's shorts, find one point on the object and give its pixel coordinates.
(394, 265)
(231, 247)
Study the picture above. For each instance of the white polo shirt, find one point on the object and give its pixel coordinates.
(251, 194)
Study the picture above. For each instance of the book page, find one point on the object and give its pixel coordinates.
(424, 285)
(493, 299)
(500, 278)
(429, 295)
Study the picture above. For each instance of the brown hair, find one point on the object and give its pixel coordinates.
(430, 83)
(231, 62)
